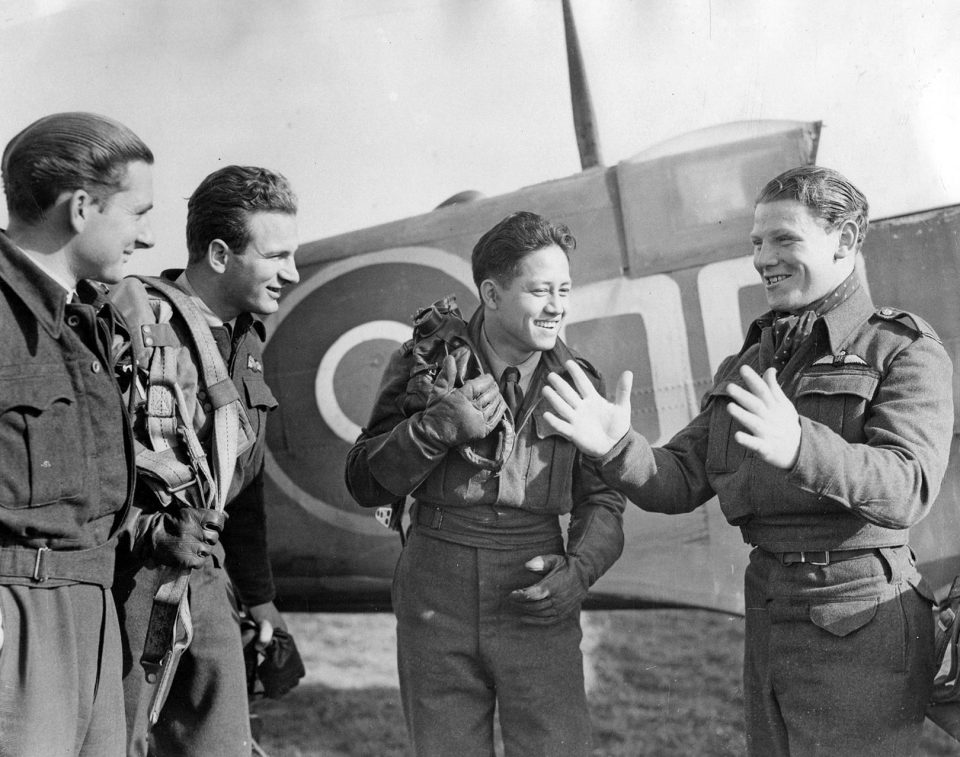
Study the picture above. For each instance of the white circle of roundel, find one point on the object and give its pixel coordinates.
(453, 266)
(323, 387)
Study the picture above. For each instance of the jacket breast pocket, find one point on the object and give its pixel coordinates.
(724, 453)
(550, 469)
(838, 398)
(259, 401)
(44, 460)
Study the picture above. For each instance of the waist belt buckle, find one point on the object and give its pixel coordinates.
(39, 575)
(826, 558)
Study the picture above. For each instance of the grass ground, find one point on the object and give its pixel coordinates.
(660, 683)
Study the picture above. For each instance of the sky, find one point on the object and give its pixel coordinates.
(380, 109)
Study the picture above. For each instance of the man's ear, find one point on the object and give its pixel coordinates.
(218, 253)
(80, 205)
(490, 293)
(847, 246)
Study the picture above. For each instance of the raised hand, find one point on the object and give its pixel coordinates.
(769, 417)
(583, 416)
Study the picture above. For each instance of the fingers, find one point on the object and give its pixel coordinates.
(563, 410)
(556, 425)
(264, 635)
(744, 399)
(580, 380)
(562, 391)
(493, 412)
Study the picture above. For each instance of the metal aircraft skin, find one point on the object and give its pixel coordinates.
(663, 285)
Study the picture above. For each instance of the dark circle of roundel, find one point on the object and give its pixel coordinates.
(309, 452)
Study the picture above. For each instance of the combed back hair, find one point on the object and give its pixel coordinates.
(65, 152)
(828, 195)
(220, 207)
(500, 252)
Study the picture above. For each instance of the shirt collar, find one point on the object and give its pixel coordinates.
(498, 365)
(44, 297)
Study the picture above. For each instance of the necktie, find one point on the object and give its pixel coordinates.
(511, 391)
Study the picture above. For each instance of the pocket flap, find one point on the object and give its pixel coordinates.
(258, 393)
(843, 618)
(37, 392)
(859, 381)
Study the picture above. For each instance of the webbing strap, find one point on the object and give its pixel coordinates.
(226, 418)
(171, 609)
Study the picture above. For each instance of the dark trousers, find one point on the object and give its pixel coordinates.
(60, 688)
(839, 658)
(463, 651)
(206, 712)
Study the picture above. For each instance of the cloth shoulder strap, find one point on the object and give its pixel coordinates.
(221, 391)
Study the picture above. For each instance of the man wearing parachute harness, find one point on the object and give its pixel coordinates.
(489, 483)
(194, 379)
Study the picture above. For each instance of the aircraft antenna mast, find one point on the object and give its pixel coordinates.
(584, 122)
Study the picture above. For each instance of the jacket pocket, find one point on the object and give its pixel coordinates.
(40, 444)
(838, 398)
(259, 401)
(549, 485)
(724, 453)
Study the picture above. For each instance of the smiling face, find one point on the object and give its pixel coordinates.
(253, 278)
(525, 316)
(799, 258)
(113, 227)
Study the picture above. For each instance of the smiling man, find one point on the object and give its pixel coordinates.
(825, 438)
(241, 238)
(486, 593)
(79, 190)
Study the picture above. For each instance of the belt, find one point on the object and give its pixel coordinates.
(479, 525)
(821, 557)
(89, 566)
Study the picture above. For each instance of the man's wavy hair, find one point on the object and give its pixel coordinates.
(828, 195)
(221, 206)
(65, 152)
(500, 252)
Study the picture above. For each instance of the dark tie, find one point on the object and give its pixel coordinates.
(511, 391)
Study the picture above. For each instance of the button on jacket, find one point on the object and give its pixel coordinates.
(873, 390)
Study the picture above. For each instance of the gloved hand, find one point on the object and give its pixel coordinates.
(456, 416)
(181, 536)
(558, 595)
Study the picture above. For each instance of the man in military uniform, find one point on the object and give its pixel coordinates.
(472, 632)
(241, 237)
(79, 189)
(825, 438)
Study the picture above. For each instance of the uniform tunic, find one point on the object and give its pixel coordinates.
(838, 657)
(463, 647)
(66, 476)
(206, 712)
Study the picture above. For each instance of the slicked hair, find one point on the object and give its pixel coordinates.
(827, 193)
(65, 152)
(500, 252)
(221, 206)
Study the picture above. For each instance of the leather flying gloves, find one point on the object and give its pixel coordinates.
(181, 536)
(457, 416)
(555, 597)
